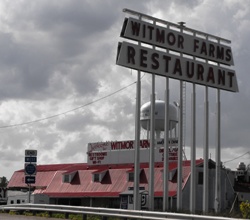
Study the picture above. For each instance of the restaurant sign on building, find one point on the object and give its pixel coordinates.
(121, 152)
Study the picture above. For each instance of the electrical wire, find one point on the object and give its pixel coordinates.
(71, 110)
(248, 152)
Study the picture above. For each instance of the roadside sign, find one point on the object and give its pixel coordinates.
(30, 153)
(30, 179)
(30, 169)
(30, 159)
(166, 64)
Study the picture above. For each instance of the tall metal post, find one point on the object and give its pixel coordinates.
(193, 153)
(217, 202)
(179, 170)
(205, 154)
(137, 143)
(29, 193)
(166, 149)
(152, 147)
(180, 133)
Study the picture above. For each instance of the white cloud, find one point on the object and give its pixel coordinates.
(58, 55)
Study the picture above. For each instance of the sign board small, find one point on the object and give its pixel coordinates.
(30, 169)
(30, 179)
(30, 153)
(30, 159)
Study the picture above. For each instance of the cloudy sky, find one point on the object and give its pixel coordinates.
(60, 87)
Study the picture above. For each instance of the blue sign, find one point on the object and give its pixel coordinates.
(30, 169)
(30, 179)
(30, 159)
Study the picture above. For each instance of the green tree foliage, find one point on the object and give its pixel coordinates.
(3, 181)
(245, 209)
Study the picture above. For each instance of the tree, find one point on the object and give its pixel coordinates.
(3, 181)
(245, 209)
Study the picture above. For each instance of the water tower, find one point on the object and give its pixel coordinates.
(159, 117)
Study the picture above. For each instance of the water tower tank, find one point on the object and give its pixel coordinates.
(159, 115)
(241, 166)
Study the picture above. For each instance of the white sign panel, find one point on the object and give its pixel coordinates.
(172, 66)
(122, 152)
(30, 153)
(165, 37)
(127, 156)
(127, 145)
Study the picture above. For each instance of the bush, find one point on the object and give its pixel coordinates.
(245, 209)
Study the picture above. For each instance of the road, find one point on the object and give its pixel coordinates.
(22, 217)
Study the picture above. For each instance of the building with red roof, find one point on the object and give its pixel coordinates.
(103, 185)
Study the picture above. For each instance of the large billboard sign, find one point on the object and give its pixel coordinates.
(121, 152)
(169, 65)
(203, 70)
(165, 37)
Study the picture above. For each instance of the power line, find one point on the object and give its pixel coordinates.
(248, 152)
(71, 110)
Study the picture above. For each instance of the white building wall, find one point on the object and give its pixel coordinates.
(227, 192)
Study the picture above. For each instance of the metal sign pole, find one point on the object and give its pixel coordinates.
(152, 147)
(218, 158)
(179, 170)
(205, 154)
(166, 149)
(29, 194)
(137, 143)
(193, 152)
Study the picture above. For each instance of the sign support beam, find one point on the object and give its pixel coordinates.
(193, 153)
(152, 147)
(137, 143)
(166, 151)
(218, 158)
(179, 169)
(205, 153)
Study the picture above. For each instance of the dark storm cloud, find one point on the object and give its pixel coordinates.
(29, 67)
(58, 55)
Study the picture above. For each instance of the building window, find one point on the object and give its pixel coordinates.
(99, 175)
(131, 177)
(200, 178)
(66, 179)
(96, 177)
(171, 175)
(18, 201)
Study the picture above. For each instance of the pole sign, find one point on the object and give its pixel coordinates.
(165, 63)
(30, 179)
(30, 169)
(167, 38)
(30, 160)
(30, 166)
(30, 153)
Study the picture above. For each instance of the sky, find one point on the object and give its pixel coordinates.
(60, 87)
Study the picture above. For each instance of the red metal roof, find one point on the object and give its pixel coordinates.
(42, 179)
(49, 178)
